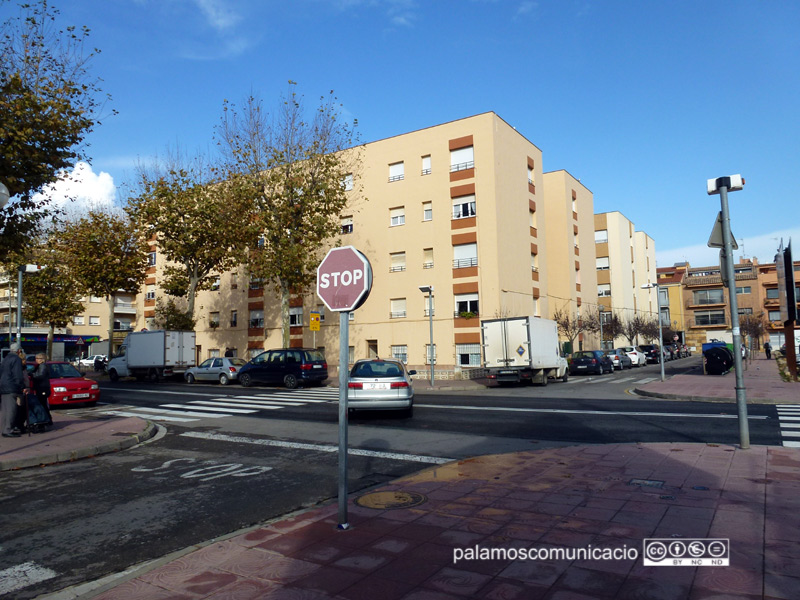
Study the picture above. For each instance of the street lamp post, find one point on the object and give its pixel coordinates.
(660, 334)
(428, 289)
(4, 195)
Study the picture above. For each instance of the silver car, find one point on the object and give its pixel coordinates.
(222, 369)
(378, 384)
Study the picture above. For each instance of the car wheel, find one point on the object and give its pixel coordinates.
(565, 377)
(189, 378)
(290, 381)
(223, 379)
(113, 375)
(152, 376)
(245, 380)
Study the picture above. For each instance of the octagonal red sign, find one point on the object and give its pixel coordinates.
(344, 279)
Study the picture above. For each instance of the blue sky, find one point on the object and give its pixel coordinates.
(643, 101)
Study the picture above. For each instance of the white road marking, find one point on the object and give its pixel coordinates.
(792, 444)
(587, 412)
(22, 575)
(790, 433)
(260, 405)
(143, 415)
(789, 418)
(227, 408)
(317, 447)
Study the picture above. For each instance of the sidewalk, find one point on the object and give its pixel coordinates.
(424, 537)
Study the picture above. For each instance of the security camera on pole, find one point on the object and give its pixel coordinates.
(725, 241)
(344, 280)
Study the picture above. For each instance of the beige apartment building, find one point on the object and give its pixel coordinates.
(625, 261)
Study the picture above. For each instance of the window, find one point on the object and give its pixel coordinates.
(602, 264)
(400, 353)
(604, 289)
(234, 318)
(427, 258)
(94, 299)
(255, 283)
(396, 171)
(150, 293)
(774, 315)
(466, 303)
(426, 165)
(295, 316)
(428, 353)
(709, 317)
(464, 206)
(468, 355)
(397, 216)
(532, 218)
(398, 260)
(151, 259)
(214, 353)
(709, 296)
(536, 308)
(347, 182)
(94, 320)
(347, 225)
(215, 285)
(429, 306)
(256, 318)
(745, 311)
(321, 311)
(743, 290)
(427, 211)
(772, 294)
(77, 320)
(213, 320)
(397, 308)
(530, 175)
(601, 237)
(463, 158)
(534, 262)
(465, 255)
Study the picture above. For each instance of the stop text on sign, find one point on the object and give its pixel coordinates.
(345, 278)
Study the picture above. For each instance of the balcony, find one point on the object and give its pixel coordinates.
(463, 263)
(124, 308)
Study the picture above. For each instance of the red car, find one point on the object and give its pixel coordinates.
(69, 386)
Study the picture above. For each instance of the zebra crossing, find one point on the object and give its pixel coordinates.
(605, 379)
(789, 419)
(217, 407)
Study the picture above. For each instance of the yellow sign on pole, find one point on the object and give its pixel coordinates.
(314, 322)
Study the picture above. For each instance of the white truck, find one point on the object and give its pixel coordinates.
(153, 355)
(522, 349)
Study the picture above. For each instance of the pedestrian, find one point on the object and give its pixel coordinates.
(228, 352)
(768, 350)
(12, 386)
(39, 417)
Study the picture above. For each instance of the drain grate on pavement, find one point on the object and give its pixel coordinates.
(654, 483)
(390, 500)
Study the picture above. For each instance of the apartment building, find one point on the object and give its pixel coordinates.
(625, 261)
(770, 303)
(673, 309)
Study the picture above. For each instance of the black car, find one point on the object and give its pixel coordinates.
(651, 352)
(288, 366)
(590, 361)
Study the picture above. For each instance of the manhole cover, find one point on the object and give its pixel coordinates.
(646, 482)
(390, 500)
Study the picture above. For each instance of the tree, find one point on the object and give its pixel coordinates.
(105, 253)
(48, 105)
(606, 323)
(199, 218)
(569, 325)
(754, 327)
(168, 315)
(299, 171)
(633, 326)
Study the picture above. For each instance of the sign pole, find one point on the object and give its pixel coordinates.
(344, 362)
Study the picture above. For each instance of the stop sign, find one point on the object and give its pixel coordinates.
(344, 279)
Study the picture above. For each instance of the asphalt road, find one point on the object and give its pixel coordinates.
(232, 457)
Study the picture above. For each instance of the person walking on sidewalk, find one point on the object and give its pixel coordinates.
(12, 386)
(768, 350)
(38, 405)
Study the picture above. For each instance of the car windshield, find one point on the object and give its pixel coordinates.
(63, 371)
(377, 369)
(583, 355)
(315, 356)
(237, 362)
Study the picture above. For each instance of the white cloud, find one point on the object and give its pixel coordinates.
(81, 189)
(219, 15)
(762, 247)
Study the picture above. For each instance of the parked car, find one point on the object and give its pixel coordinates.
(651, 351)
(89, 360)
(378, 384)
(637, 356)
(289, 366)
(590, 361)
(620, 359)
(222, 369)
(68, 385)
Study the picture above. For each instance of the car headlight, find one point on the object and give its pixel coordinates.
(59, 388)
(95, 386)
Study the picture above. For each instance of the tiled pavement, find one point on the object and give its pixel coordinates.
(563, 499)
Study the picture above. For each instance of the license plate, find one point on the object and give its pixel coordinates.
(317, 366)
(507, 372)
(581, 366)
(76, 396)
(376, 386)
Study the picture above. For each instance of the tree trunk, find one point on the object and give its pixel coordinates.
(50, 336)
(285, 329)
(111, 299)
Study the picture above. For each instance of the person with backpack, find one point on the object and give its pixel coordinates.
(768, 350)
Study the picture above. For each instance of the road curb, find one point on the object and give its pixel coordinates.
(108, 447)
(668, 396)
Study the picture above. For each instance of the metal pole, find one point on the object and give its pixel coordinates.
(660, 333)
(430, 318)
(19, 306)
(344, 363)
(741, 400)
